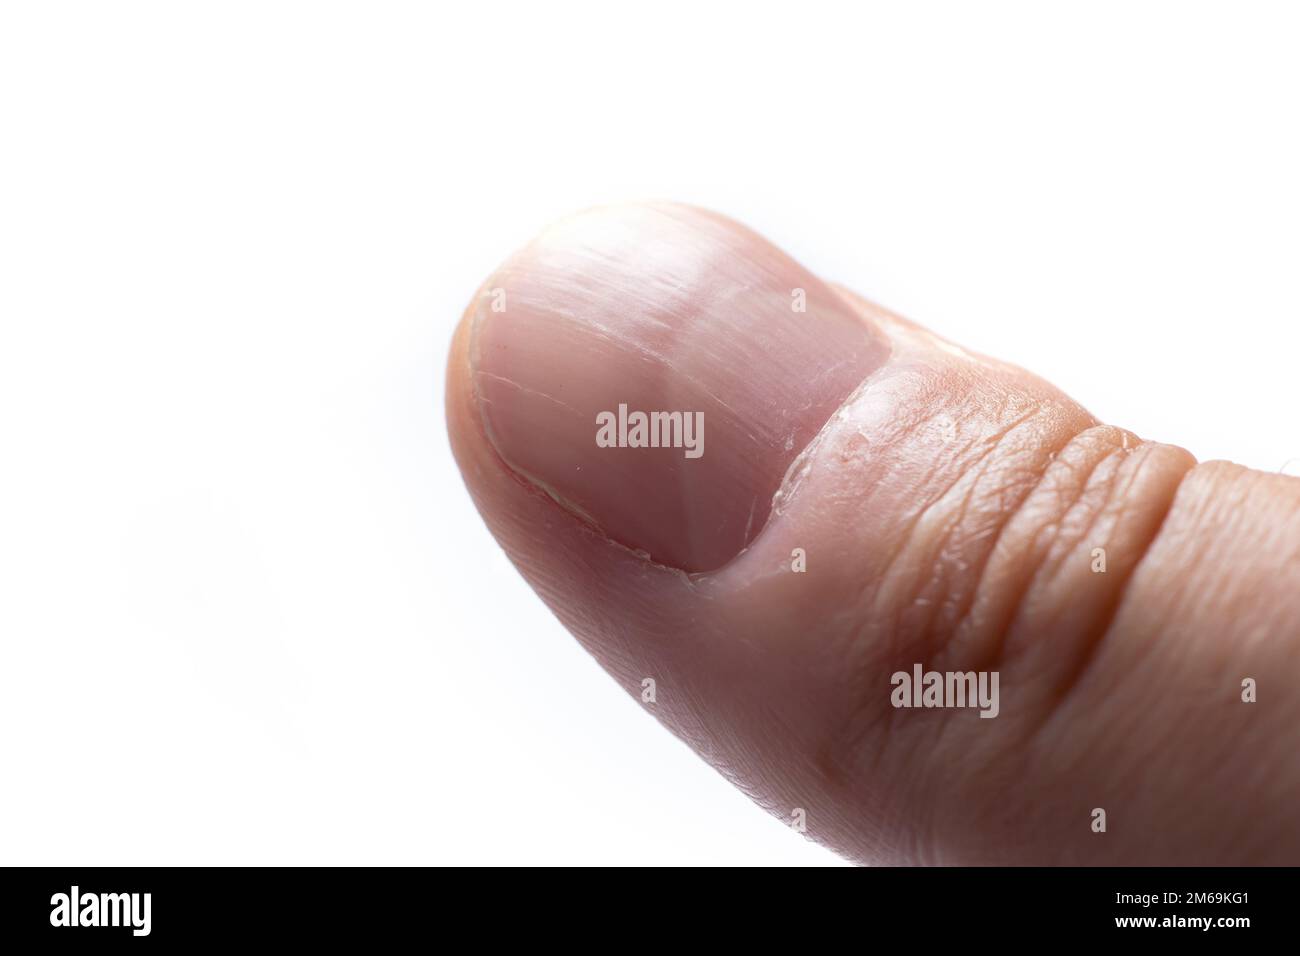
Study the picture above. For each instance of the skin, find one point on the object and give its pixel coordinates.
(949, 507)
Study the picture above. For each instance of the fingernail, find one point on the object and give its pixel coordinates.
(656, 369)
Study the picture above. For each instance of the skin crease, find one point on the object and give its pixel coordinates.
(949, 506)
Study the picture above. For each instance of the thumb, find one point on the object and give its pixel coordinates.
(809, 527)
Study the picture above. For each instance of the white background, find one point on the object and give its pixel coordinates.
(247, 611)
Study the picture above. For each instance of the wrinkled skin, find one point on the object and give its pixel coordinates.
(948, 506)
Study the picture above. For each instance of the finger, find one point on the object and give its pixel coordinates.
(867, 499)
